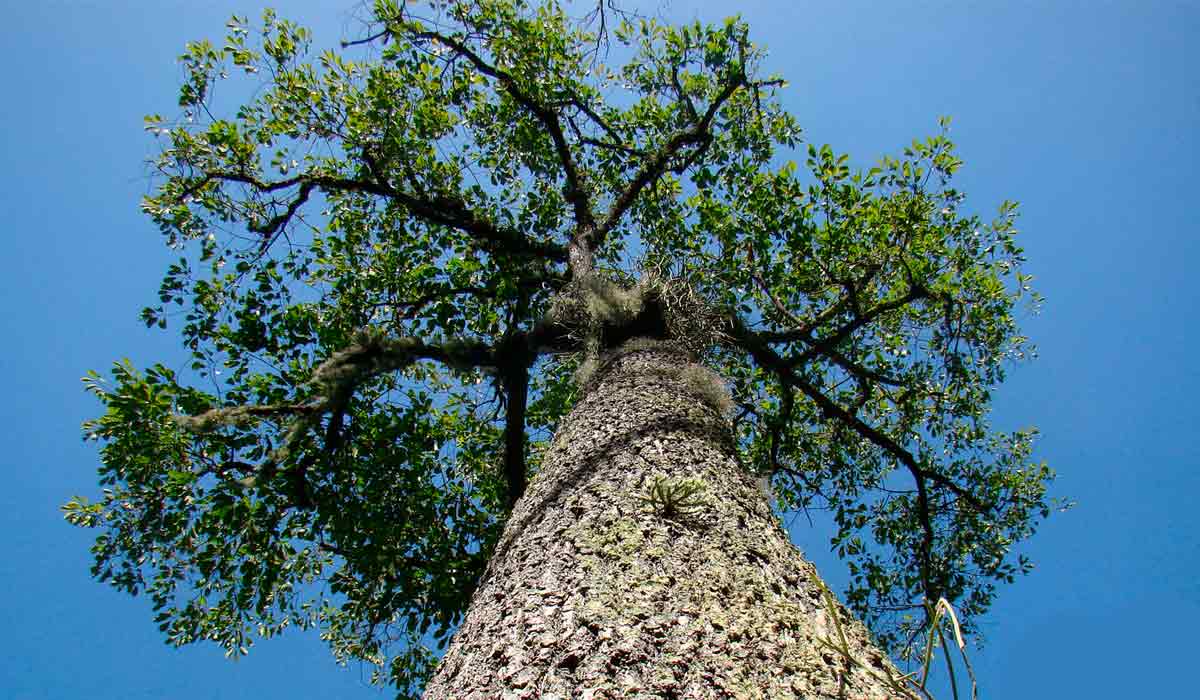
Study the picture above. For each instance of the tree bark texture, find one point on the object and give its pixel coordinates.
(596, 590)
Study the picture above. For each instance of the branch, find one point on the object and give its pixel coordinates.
(594, 116)
(783, 368)
(805, 330)
(685, 98)
(610, 146)
(575, 191)
(600, 143)
(216, 418)
(767, 358)
(441, 210)
(375, 354)
(823, 345)
(489, 293)
(342, 373)
(697, 133)
(858, 371)
(787, 402)
(271, 229)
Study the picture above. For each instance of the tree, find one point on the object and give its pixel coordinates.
(406, 265)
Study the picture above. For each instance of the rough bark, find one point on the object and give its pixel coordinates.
(595, 593)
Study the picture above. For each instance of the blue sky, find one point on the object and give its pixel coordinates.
(1085, 112)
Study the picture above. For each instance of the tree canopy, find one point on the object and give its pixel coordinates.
(376, 247)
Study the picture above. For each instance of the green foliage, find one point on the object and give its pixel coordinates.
(370, 248)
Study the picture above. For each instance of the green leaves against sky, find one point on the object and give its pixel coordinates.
(368, 236)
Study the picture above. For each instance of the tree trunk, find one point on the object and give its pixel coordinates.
(601, 589)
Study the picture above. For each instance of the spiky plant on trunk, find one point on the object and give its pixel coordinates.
(409, 264)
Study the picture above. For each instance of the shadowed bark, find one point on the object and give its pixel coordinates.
(597, 590)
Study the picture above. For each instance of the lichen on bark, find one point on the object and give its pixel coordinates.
(593, 593)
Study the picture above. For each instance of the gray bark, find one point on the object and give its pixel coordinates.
(595, 593)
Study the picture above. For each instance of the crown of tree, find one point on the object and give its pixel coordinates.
(395, 256)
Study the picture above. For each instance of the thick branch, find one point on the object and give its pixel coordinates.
(216, 418)
(340, 375)
(516, 357)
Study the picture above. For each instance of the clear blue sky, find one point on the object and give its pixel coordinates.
(1085, 112)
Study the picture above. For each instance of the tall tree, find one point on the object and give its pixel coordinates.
(499, 313)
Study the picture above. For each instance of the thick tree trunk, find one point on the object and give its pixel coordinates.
(596, 592)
